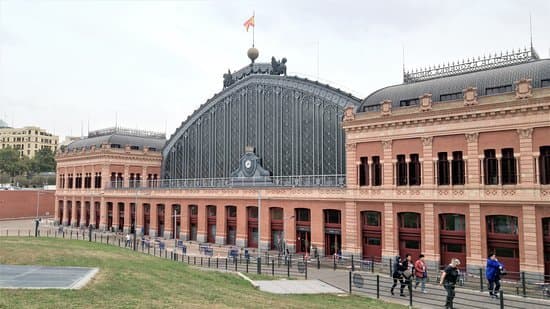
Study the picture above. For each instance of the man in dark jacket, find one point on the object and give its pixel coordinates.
(397, 272)
(449, 276)
(492, 272)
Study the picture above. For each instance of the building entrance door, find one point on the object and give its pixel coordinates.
(333, 244)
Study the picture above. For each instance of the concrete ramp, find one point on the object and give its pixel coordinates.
(297, 287)
(44, 277)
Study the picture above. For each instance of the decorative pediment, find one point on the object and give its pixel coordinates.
(250, 170)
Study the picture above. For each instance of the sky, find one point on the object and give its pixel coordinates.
(74, 66)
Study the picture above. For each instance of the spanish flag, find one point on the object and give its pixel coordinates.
(249, 23)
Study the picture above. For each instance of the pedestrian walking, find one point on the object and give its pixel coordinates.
(493, 272)
(128, 240)
(448, 280)
(408, 268)
(397, 274)
(421, 273)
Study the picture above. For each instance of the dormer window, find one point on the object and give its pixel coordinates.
(451, 96)
(409, 102)
(134, 147)
(498, 89)
(115, 145)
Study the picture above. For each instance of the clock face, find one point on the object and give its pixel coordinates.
(248, 164)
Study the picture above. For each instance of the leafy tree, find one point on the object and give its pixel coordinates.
(43, 161)
(10, 162)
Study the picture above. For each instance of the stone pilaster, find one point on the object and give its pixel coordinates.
(116, 216)
(139, 219)
(184, 225)
(168, 221)
(475, 256)
(153, 227)
(427, 164)
(351, 168)
(318, 230)
(387, 170)
(82, 213)
(127, 218)
(530, 261)
(290, 228)
(389, 249)
(429, 240)
(350, 242)
(74, 216)
(473, 171)
(65, 219)
(221, 222)
(103, 214)
(526, 174)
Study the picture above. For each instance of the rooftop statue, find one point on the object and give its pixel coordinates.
(228, 79)
(278, 67)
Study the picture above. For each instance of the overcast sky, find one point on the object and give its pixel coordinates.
(64, 64)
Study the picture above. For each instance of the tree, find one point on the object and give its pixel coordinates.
(43, 161)
(10, 162)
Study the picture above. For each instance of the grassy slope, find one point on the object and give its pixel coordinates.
(132, 280)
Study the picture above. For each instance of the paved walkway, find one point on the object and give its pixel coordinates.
(297, 287)
(44, 277)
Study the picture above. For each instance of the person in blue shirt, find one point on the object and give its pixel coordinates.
(492, 272)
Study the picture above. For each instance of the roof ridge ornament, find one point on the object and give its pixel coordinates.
(473, 65)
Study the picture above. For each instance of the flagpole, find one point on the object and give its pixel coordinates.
(254, 26)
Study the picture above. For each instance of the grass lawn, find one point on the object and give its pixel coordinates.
(132, 280)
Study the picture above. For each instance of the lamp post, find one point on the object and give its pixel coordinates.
(259, 225)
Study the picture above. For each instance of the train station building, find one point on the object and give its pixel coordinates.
(453, 162)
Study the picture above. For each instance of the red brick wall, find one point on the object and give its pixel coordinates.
(22, 203)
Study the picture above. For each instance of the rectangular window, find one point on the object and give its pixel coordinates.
(364, 172)
(253, 212)
(374, 241)
(505, 252)
(276, 213)
(376, 171)
(454, 248)
(508, 167)
(498, 89)
(442, 169)
(332, 216)
(409, 102)
(401, 168)
(302, 215)
(211, 211)
(412, 244)
(458, 168)
(544, 165)
(371, 218)
(451, 96)
(490, 164)
(414, 170)
(453, 222)
(545, 83)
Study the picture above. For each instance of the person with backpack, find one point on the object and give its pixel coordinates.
(397, 273)
(408, 268)
(493, 271)
(448, 279)
(421, 273)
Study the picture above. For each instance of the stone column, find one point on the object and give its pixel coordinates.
(116, 216)
(153, 220)
(317, 231)
(127, 218)
(139, 219)
(473, 159)
(221, 222)
(389, 249)
(65, 219)
(82, 213)
(201, 222)
(526, 172)
(530, 261)
(103, 214)
(168, 220)
(126, 182)
(92, 212)
(350, 241)
(184, 225)
(144, 177)
(57, 214)
(474, 240)
(265, 227)
(351, 168)
(74, 216)
(430, 236)
(387, 165)
(289, 221)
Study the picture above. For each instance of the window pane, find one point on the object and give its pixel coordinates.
(253, 212)
(373, 218)
(276, 214)
(454, 248)
(410, 220)
(505, 252)
(374, 241)
(412, 244)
